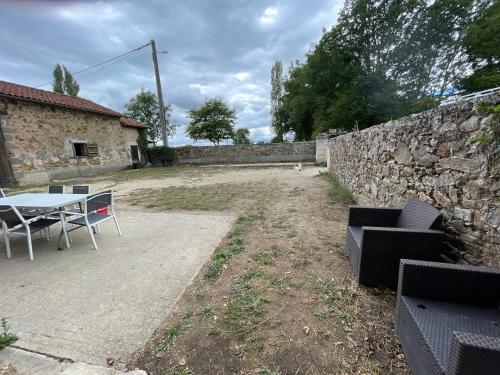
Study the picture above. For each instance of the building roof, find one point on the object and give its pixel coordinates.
(131, 123)
(15, 91)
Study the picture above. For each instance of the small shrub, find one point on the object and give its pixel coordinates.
(6, 338)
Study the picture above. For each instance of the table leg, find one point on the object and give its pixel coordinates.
(63, 223)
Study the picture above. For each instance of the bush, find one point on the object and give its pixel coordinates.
(158, 153)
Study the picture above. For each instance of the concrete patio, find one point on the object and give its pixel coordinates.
(88, 305)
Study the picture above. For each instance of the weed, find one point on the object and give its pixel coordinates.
(265, 370)
(6, 338)
(209, 311)
(172, 332)
(251, 273)
(321, 315)
(324, 286)
(214, 330)
(182, 371)
(263, 257)
(278, 281)
(338, 193)
(168, 341)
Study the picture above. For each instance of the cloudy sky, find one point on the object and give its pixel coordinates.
(222, 48)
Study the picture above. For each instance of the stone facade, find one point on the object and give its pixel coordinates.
(430, 156)
(247, 154)
(39, 141)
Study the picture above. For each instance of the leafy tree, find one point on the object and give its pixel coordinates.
(58, 82)
(241, 136)
(144, 108)
(482, 43)
(213, 120)
(277, 90)
(63, 82)
(378, 62)
(71, 87)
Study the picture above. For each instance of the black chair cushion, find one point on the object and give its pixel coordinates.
(419, 215)
(437, 320)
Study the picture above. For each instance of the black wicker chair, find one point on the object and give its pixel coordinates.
(378, 238)
(448, 318)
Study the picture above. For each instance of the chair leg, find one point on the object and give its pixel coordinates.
(92, 236)
(30, 246)
(116, 221)
(6, 239)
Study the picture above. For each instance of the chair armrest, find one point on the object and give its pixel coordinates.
(373, 216)
(403, 240)
(453, 283)
(473, 354)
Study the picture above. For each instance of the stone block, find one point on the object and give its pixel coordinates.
(469, 125)
(461, 164)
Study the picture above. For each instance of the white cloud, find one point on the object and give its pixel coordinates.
(269, 16)
(242, 76)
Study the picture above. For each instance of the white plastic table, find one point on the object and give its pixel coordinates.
(45, 201)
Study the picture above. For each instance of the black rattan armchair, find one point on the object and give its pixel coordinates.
(448, 318)
(378, 238)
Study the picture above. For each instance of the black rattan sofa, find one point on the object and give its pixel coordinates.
(448, 318)
(378, 238)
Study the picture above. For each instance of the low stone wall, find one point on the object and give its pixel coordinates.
(247, 154)
(429, 156)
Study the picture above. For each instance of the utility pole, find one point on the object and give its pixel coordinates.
(160, 95)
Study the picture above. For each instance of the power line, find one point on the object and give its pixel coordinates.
(104, 62)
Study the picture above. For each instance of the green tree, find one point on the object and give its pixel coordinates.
(242, 136)
(58, 82)
(482, 44)
(278, 122)
(144, 108)
(63, 82)
(213, 120)
(380, 61)
(71, 87)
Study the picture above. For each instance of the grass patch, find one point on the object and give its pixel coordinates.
(6, 338)
(182, 371)
(172, 332)
(235, 245)
(209, 311)
(338, 193)
(215, 330)
(250, 218)
(213, 197)
(244, 308)
(341, 300)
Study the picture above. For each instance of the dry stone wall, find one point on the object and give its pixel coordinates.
(429, 156)
(247, 154)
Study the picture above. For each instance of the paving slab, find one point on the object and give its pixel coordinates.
(88, 305)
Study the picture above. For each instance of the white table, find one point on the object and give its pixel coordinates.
(45, 202)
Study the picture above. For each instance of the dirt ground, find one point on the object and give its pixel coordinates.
(278, 296)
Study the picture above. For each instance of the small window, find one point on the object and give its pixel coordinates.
(81, 149)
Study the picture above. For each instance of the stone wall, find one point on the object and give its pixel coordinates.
(247, 154)
(39, 139)
(429, 156)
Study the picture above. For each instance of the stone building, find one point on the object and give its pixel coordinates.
(45, 135)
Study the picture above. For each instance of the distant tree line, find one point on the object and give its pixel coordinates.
(385, 59)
